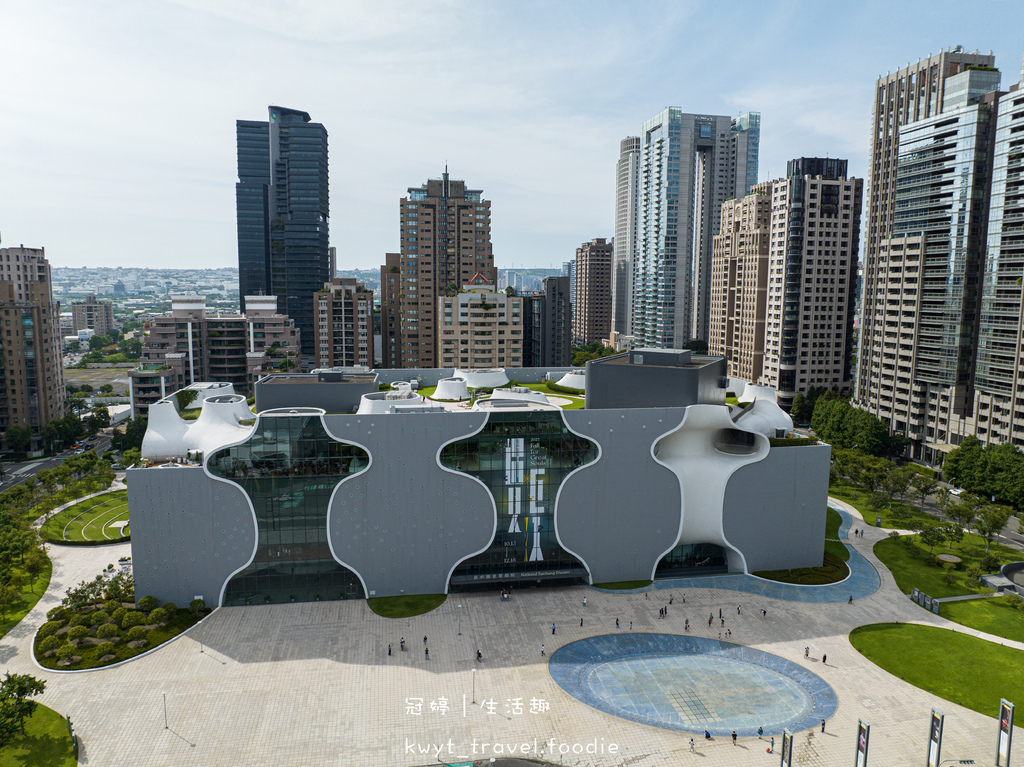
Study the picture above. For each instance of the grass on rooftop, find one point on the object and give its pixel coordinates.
(406, 606)
(957, 667)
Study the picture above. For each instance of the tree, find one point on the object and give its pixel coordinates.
(954, 534)
(99, 419)
(35, 563)
(931, 537)
(897, 481)
(923, 487)
(964, 510)
(131, 457)
(131, 437)
(991, 522)
(16, 705)
(801, 409)
(18, 438)
(107, 388)
(8, 596)
(696, 346)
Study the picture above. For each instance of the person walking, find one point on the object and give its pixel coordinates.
(850, 600)
(424, 640)
(771, 748)
(671, 599)
(645, 595)
(723, 622)
(402, 644)
(734, 737)
(686, 626)
(691, 745)
(760, 732)
(479, 656)
(824, 657)
(631, 625)
(737, 609)
(807, 652)
(389, 651)
(552, 629)
(764, 613)
(719, 612)
(426, 652)
(584, 601)
(581, 623)
(616, 623)
(542, 649)
(823, 725)
(711, 619)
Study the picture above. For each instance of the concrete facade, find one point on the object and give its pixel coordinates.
(592, 310)
(344, 323)
(510, 491)
(92, 314)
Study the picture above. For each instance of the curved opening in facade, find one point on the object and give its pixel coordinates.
(289, 468)
(735, 442)
(693, 559)
(522, 457)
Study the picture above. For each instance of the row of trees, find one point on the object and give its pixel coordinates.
(886, 482)
(840, 424)
(996, 470)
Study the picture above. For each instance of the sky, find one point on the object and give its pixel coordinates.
(117, 119)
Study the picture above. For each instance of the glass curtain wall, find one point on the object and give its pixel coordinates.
(289, 467)
(522, 457)
(693, 559)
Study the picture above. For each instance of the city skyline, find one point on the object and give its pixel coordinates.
(144, 187)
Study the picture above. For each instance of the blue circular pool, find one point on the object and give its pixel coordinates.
(692, 684)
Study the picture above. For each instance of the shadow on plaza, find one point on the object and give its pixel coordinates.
(507, 634)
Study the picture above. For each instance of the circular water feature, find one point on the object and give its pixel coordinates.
(692, 684)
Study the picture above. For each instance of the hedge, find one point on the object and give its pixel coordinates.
(791, 441)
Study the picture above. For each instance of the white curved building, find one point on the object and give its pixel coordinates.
(451, 389)
(225, 417)
(575, 379)
(483, 378)
(399, 399)
(767, 418)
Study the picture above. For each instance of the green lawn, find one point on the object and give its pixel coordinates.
(904, 516)
(30, 594)
(623, 585)
(957, 667)
(406, 606)
(833, 568)
(914, 567)
(577, 403)
(46, 742)
(993, 616)
(89, 520)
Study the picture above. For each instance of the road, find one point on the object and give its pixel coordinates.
(18, 473)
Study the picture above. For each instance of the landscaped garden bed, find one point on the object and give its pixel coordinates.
(100, 519)
(99, 623)
(833, 568)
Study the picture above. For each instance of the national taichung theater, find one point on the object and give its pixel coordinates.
(351, 483)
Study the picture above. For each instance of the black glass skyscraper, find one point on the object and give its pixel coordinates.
(283, 214)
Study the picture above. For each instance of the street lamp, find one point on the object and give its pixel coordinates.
(165, 710)
(474, 684)
(460, 620)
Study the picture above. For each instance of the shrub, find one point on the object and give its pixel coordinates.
(118, 615)
(58, 613)
(146, 604)
(948, 576)
(79, 619)
(66, 652)
(49, 628)
(105, 648)
(196, 606)
(135, 633)
(50, 643)
(989, 564)
(78, 632)
(973, 573)
(159, 615)
(98, 618)
(106, 631)
(111, 606)
(171, 608)
(134, 618)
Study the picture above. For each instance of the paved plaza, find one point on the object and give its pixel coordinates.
(313, 684)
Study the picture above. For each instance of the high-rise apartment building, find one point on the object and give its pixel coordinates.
(283, 212)
(941, 307)
(739, 283)
(547, 325)
(783, 279)
(92, 315)
(592, 310)
(478, 327)
(190, 345)
(344, 311)
(445, 233)
(816, 213)
(31, 367)
(688, 165)
(627, 172)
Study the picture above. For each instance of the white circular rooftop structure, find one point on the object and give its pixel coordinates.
(483, 378)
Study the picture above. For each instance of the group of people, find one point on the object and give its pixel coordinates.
(426, 650)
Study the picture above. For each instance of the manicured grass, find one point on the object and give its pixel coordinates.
(46, 741)
(623, 585)
(577, 403)
(89, 520)
(833, 568)
(960, 668)
(904, 516)
(993, 616)
(30, 594)
(182, 621)
(406, 606)
(914, 567)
